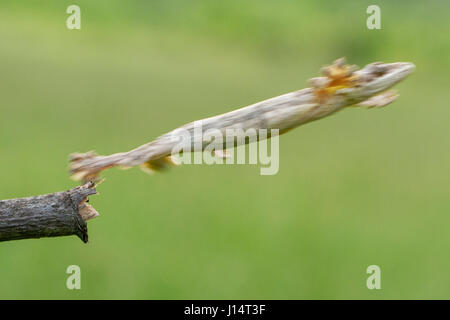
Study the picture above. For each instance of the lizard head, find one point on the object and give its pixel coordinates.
(366, 86)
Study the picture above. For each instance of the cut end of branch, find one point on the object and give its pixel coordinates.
(85, 210)
(80, 198)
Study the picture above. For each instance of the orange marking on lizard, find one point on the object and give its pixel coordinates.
(340, 76)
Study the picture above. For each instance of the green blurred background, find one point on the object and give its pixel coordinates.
(359, 188)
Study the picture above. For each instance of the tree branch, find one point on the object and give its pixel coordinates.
(52, 215)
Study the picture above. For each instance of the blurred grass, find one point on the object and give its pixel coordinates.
(362, 187)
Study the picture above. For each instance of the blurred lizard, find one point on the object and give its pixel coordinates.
(340, 86)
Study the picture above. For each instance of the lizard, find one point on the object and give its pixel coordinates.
(340, 86)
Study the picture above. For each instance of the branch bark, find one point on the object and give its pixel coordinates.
(52, 215)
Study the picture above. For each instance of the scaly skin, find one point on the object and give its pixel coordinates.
(341, 86)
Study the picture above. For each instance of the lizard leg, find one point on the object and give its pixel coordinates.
(378, 101)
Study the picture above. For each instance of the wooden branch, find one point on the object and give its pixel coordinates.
(52, 215)
(340, 86)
